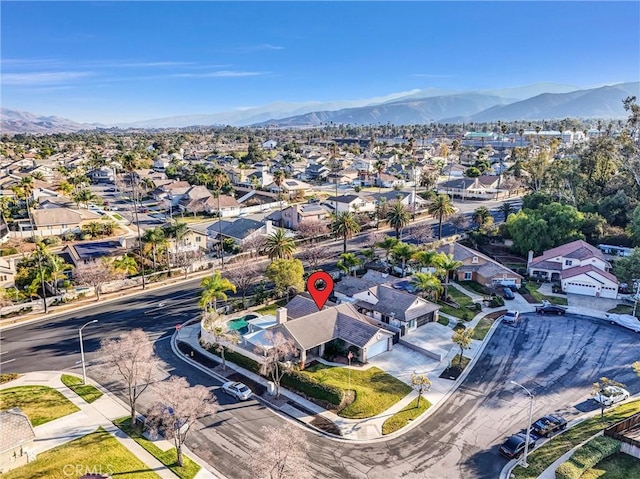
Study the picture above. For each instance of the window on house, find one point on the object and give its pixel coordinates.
(198, 239)
(568, 262)
(474, 260)
(467, 276)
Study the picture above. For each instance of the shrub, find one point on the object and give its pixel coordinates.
(496, 302)
(237, 358)
(478, 307)
(588, 456)
(8, 251)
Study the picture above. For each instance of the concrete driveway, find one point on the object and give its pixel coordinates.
(402, 361)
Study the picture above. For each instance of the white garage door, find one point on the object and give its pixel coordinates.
(578, 287)
(377, 348)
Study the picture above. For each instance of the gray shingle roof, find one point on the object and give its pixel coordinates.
(350, 285)
(16, 429)
(399, 304)
(302, 305)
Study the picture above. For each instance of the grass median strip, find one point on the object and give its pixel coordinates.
(41, 404)
(87, 392)
(98, 453)
(169, 457)
(404, 417)
(544, 456)
(375, 390)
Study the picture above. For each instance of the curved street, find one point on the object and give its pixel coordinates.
(558, 358)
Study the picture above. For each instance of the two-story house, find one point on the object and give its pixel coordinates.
(296, 214)
(352, 203)
(579, 267)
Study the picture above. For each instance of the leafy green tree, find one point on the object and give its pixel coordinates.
(279, 245)
(441, 208)
(617, 208)
(462, 338)
(398, 217)
(472, 172)
(344, 224)
(214, 288)
(387, 244)
(600, 387)
(222, 335)
(287, 276)
(593, 227)
(628, 269)
(482, 215)
(126, 265)
(155, 237)
(635, 225)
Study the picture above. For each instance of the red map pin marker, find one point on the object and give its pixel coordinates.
(320, 286)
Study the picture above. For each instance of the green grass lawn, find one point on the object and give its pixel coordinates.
(98, 452)
(442, 320)
(533, 288)
(475, 287)
(543, 457)
(404, 417)
(87, 392)
(270, 308)
(625, 309)
(482, 328)
(117, 216)
(40, 403)
(169, 458)
(375, 390)
(463, 300)
(618, 466)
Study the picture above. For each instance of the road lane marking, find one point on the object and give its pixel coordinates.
(7, 361)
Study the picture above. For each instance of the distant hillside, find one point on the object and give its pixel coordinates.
(13, 122)
(603, 102)
(410, 111)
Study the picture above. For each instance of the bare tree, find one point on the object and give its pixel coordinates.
(421, 383)
(282, 455)
(244, 273)
(460, 222)
(222, 335)
(313, 255)
(422, 233)
(312, 229)
(371, 241)
(186, 259)
(254, 245)
(96, 274)
(276, 352)
(131, 356)
(180, 407)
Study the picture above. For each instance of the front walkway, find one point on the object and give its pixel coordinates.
(100, 413)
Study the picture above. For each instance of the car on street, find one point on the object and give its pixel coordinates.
(549, 308)
(240, 391)
(625, 320)
(609, 395)
(547, 425)
(511, 317)
(514, 446)
(507, 293)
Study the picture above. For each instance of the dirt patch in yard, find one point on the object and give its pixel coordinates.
(326, 425)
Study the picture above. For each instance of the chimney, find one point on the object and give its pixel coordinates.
(529, 258)
(123, 243)
(281, 315)
(451, 247)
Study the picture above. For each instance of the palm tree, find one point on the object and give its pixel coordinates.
(398, 217)
(278, 180)
(177, 232)
(84, 197)
(65, 187)
(219, 179)
(126, 265)
(387, 245)
(279, 245)
(427, 258)
(481, 216)
(55, 268)
(403, 252)
(131, 162)
(506, 209)
(441, 207)
(428, 284)
(379, 167)
(344, 224)
(214, 288)
(449, 265)
(349, 263)
(155, 237)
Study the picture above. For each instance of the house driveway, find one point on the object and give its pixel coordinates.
(401, 362)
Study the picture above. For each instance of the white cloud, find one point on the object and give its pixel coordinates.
(42, 78)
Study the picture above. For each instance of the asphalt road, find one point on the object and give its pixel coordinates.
(558, 358)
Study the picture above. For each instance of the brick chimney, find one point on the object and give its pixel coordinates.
(281, 315)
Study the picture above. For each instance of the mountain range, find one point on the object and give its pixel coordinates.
(531, 102)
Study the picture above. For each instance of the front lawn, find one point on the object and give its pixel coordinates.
(463, 312)
(404, 417)
(544, 456)
(87, 392)
(375, 390)
(482, 328)
(532, 288)
(618, 466)
(169, 458)
(41, 404)
(98, 452)
(475, 287)
(624, 309)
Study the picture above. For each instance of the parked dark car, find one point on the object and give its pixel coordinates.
(548, 308)
(507, 293)
(547, 425)
(514, 446)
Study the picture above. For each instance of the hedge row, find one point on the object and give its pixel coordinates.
(587, 456)
(309, 386)
(294, 380)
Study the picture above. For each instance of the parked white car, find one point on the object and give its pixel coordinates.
(625, 320)
(511, 317)
(238, 390)
(611, 395)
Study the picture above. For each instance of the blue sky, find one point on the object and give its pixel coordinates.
(124, 61)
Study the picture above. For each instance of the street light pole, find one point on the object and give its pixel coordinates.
(84, 369)
(635, 302)
(526, 442)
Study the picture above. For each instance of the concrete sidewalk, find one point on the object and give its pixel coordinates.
(100, 413)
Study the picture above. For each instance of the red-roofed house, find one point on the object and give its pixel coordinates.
(579, 267)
